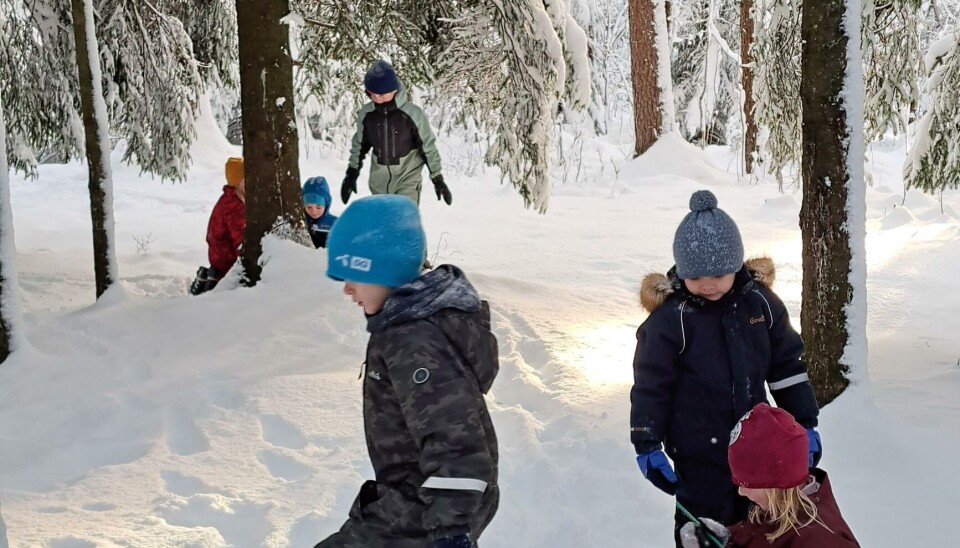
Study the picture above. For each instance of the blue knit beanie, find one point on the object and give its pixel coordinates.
(378, 240)
(381, 78)
(707, 242)
(316, 191)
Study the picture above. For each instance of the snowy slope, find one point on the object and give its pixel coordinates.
(156, 419)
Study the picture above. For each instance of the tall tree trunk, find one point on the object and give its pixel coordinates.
(270, 141)
(650, 68)
(9, 286)
(832, 216)
(749, 121)
(97, 143)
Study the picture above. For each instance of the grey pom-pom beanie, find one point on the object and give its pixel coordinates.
(707, 242)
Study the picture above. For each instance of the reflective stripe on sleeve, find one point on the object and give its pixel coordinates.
(788, 382)
(460, 484)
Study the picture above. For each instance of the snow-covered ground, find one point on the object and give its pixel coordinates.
(153, 418)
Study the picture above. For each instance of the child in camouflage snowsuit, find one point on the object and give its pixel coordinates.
(430, 359)
(400, 136)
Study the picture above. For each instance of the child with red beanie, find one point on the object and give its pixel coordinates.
(793, 506)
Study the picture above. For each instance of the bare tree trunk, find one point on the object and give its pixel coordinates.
(97, 143)
(749, 121)
(270, 140)
(825, 219)
(644, 61)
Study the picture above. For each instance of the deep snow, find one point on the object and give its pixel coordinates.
(152, 418)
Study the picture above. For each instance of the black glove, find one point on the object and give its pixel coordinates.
(443, 192)
(459, 541)
(349, 185)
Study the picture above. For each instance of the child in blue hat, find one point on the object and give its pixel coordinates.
(430, 359)
(716, 337)
(316, 208)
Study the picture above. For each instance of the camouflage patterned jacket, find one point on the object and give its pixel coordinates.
(430, 359)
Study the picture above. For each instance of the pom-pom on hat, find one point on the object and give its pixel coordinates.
(768, 449)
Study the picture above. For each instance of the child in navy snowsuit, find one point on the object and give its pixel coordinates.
(316, 210)
(715, 336)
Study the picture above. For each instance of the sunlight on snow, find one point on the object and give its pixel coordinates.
(603, 353)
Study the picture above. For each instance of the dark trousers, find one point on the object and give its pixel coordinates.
(365, 527)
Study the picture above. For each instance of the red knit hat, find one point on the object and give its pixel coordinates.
(768, 449)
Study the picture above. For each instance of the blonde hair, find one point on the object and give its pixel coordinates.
(786, 509)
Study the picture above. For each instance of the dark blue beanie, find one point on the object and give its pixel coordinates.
(378, 240)
(707, 242)
(381, 78)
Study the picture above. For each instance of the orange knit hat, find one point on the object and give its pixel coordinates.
(234, 171)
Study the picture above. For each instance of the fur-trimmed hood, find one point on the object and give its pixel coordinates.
(656, 287)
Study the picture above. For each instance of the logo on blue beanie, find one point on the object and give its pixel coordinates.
(363, 264)
(378, 240)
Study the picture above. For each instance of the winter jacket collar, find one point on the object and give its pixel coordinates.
(830, 531)
(396, 103)
(656, 288)
(444, 287)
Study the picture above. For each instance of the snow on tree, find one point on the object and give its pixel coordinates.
(149, 76)
(750, 130)
(833, 212)
(97, 144)
(892, 64)
(606, 31)
(212, 28)
(776, 84)
(706, 71)
(653, 106)
(10, 316)
(502, 68)
(933, 162)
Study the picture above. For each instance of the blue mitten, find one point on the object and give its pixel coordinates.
(656, 468)
(458, 541)
(814, 447)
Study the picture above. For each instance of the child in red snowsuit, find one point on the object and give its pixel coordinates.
(225, 229)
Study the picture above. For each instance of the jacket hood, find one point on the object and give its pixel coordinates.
(656, 287)
(318, 186)
(445, 298)
(444, 287)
